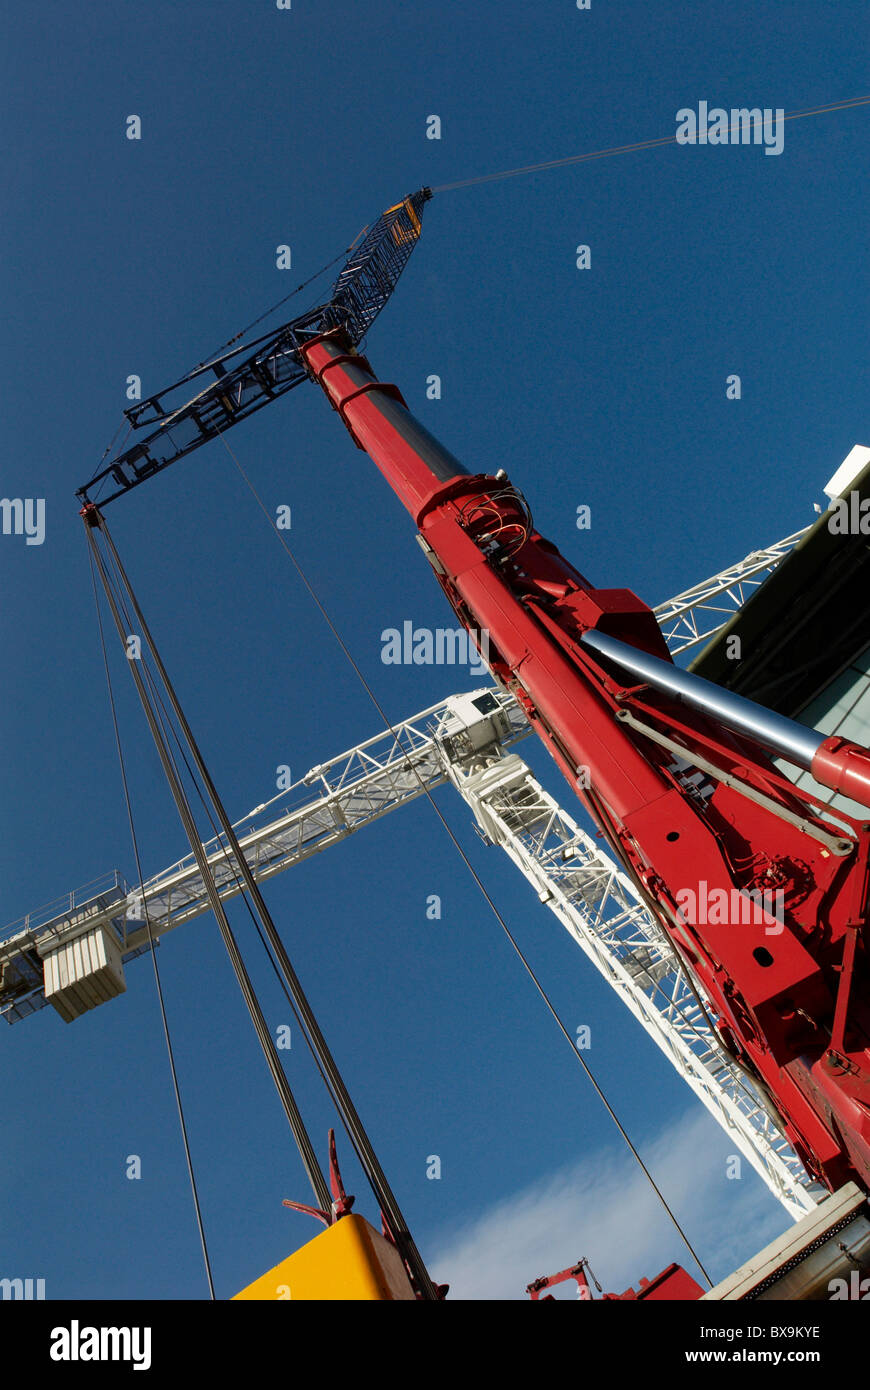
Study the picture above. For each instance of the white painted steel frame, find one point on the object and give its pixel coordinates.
(696, 615)
(602, 910)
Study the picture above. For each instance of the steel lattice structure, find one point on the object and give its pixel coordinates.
(172, 424)
(601, 909)
(465, 740)
(328, 804)
(696, 615)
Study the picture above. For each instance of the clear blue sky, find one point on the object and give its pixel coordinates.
(606, 387)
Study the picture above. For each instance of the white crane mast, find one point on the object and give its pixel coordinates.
(600, 907)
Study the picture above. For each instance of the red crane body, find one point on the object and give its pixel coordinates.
(788, 979)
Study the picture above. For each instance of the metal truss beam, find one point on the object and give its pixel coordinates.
(234, 385)
(466, 740)
(696, 615)
(329, 803)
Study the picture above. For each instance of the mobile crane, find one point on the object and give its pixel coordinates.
(628, 729)
(594, 677)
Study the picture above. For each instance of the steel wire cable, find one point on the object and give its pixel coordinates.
(216, 355)
(375, 1173)
(233, 869)
(235, 873)
(288, 1101)
(268, 312)
(166, 1033)
(638, 145)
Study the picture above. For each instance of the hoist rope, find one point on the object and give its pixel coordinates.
(158, 982)
(111, 442)
(216, 355)
(294, 1118)
(372, 1167)
(466, 861)
(234, 870)
(171, 732)
(635, 147)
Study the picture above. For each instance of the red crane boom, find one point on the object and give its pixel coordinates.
(761, 893)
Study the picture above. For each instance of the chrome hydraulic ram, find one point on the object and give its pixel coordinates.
(835, 762)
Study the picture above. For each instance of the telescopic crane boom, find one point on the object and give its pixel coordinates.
(761, 894)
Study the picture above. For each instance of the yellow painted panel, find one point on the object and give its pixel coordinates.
(350, 1260)
(415, 221)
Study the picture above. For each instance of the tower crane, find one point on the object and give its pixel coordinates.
(73, 954)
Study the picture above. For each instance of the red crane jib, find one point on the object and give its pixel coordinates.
(762, 897)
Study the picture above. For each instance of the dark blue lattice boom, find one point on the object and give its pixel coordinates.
(173, 423)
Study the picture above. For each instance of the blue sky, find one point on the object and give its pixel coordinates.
(604, 387)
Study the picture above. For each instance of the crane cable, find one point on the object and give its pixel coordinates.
(235, 873)
(374, 1172)
(469, 866)
(158, 982)
(846, 105)
(232, 868)
(634, 148)
(170, 731)
(303, 1142)
(218, 352)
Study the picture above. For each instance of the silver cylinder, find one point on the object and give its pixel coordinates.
(781, 735)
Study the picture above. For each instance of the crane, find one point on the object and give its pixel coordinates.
(629, 730)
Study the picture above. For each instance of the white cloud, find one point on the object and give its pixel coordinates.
(603, 1207)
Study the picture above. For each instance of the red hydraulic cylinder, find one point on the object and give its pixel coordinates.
(414, 463)
(424, 474)
(844, 766)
